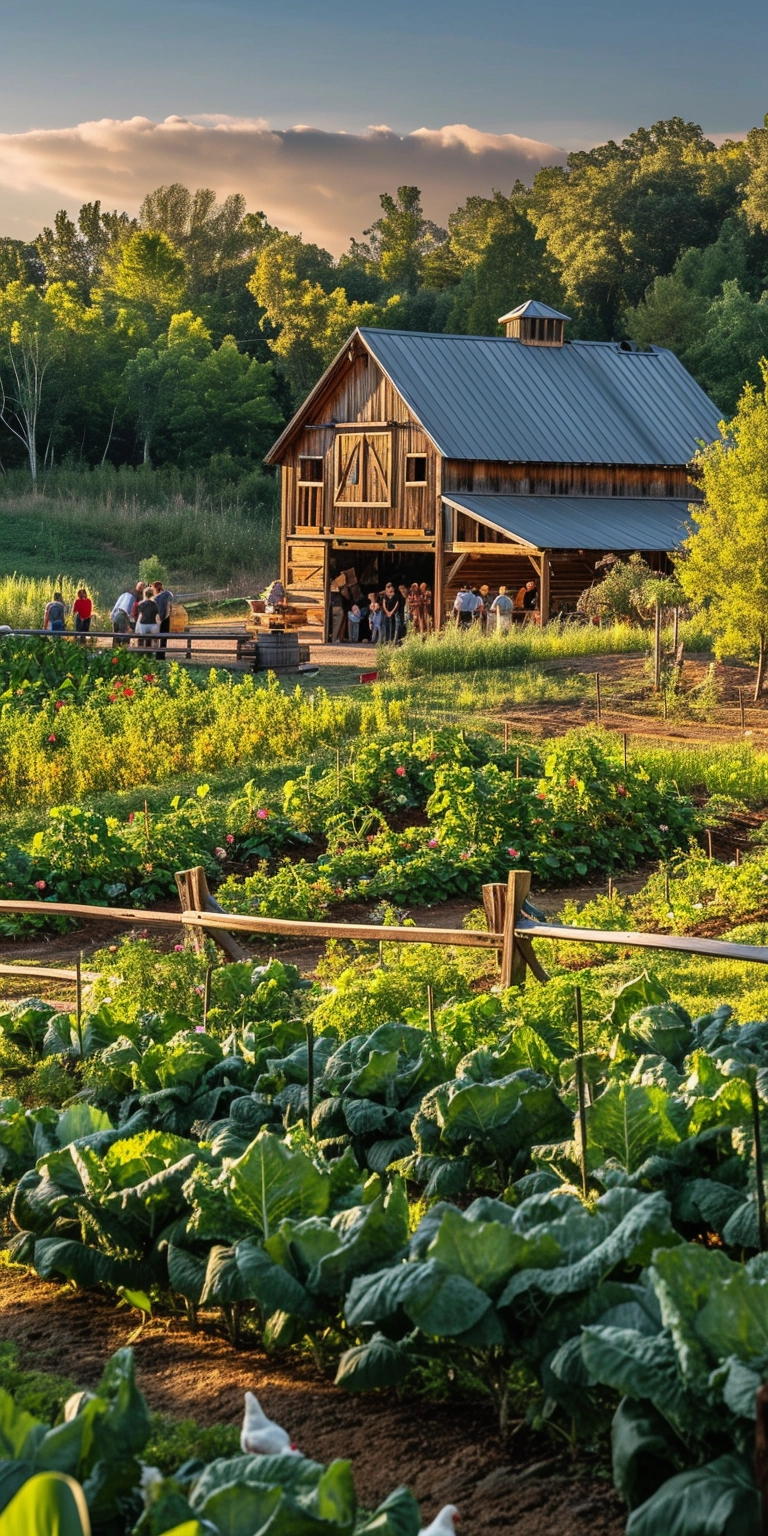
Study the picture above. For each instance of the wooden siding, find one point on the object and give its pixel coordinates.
(566, 479)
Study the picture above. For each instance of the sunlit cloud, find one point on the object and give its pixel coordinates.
(324, 185)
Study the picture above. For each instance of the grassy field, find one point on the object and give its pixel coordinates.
(96, 528)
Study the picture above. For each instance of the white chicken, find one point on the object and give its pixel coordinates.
(261, 1436)
(443, 1524)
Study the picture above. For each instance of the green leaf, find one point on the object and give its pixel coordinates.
(16, 1428)
(48, 1503)
(381, 1362)
(665, 1029)
(487, 1252)
(437, 1301)
(186, 1272)
(270, 1182)
(81, 1120)
(639, 1366)
(397, 1516)
(379, 1231)
(684, 1278)
(634, 995)
(643, 1454)
(379, 1071)
(631, 1120)
(718, 1499)
(643, 1227)
(246, 1273)
(240, 1510)
(734, 1318)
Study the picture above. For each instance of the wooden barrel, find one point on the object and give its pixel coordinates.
(179, 619)
(278, 650)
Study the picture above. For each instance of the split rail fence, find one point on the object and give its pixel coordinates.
(510, 932)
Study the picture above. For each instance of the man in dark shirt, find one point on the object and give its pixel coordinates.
(164, 603)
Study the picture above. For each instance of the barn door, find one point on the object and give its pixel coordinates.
(306, 573)
(363, 469)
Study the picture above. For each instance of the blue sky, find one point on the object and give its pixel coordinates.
(567, 71)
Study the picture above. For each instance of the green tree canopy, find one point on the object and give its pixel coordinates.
(726, 566)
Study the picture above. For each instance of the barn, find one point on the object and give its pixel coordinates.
(481, 459)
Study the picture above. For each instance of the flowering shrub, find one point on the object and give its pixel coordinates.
(299, 891)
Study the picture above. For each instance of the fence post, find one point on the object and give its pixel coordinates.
(580, 1090)
(512, 959)
(194, 896)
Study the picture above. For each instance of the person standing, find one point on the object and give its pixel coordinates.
(464, 607)
(121, 618)
(389, 607)
(374, 618)
(147, 618)
(54, 619)
(415, 609)
(354, 619)
(500, 616)
(82, 608)
(426, 600)
(484, 615)
(402, 612)
(164, 602)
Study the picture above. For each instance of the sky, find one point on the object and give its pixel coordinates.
(96, 96)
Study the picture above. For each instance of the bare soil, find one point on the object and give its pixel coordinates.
(445, 1452)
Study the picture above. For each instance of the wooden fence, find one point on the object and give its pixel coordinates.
(510, 930)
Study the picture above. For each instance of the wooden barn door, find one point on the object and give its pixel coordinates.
(363, 469)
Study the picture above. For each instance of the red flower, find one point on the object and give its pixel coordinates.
(150, 677)
(113, 698)
(432, 842)
(51, 738)
(262, 815)
(115, 660)
(513, 853)
(59, 704)
(573, 782)
(620, 790)
(541, 794)
(230, 837)
(131, 815)
(400, 773)
(128, 693)
(40, 884)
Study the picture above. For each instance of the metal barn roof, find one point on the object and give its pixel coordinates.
(583, 522)
(486, 397)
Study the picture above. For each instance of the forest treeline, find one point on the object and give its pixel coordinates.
(186, 336)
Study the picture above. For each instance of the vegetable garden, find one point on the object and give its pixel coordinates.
(386, 1168)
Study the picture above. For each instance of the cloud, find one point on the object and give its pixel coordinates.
(324, 185)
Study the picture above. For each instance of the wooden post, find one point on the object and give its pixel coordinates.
(517, 766)
(762, 1227)
(709, 842)
(742, 710)
(544, 587)
(675, 631)
(431, 1011)
(610, 888)
(598, 708)
(310, 1073)
(506, 736)
(195, 896)
(79, 1001)
(512, 959)
(761, 1455)
(207, 994)
(580, 1090)
(495, 907)
(657, 648)
(664, 704)
(439, 582)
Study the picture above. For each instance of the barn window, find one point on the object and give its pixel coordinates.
(310, 471)
(416, 469)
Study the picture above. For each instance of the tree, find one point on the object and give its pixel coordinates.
(29, 347)
(756, 198)
(145, 281)
(505, 262)
(310, 323)
(76, 253)
(725, 571)
(401, 240)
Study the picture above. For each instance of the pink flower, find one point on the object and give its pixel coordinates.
(40, 884)
(513, 853)
(178, 948)
(433, 843)
(51, 738)
(199, 1028)
(131, 815)
(221, 853)
(463, 855)
(59, 704)
(230, 837)
(663, 826)
(262, 815)
(400, 773)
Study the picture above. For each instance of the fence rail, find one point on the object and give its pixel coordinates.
(510, 931)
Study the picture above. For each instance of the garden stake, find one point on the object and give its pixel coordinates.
(610, 888)
(742, 710)
(657, 649)
(580, 1090)
(666, 887)
(310, 1073)
(431, 1010)
(506, 736)
(517, 767)
(597, 697)
(79, 1001)
(738, 857)
(338, 773)
(675, 630)
(664, 704)
(626, 745)
(207, 994)
(761, 1223)
(146, 823)
(709, 842)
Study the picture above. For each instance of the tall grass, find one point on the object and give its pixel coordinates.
(23, 598)
(739, 771)
(98, 524)
(469, 650)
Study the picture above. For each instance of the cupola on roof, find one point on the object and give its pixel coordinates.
(535, 324)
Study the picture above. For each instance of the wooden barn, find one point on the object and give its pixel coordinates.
(479, 459)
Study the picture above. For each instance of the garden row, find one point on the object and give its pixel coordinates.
(192, 1166)
(406, 820)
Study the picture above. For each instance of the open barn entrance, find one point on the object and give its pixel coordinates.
(353, 573)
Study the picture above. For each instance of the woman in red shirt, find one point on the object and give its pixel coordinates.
(83, 611)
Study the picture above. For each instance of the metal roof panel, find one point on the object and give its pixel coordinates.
(619, 523)
(487, 397)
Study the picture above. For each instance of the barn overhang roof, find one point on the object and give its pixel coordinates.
(617, 523)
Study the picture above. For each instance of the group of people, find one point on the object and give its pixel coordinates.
(55, 617)
(477, 605)
(386, 617)
(144, 611)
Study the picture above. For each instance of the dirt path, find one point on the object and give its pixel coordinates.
(445, 1452)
